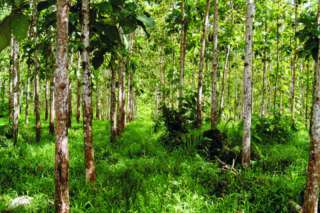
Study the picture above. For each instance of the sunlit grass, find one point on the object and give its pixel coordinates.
(137, 174)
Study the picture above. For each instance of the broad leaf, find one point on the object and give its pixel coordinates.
(17, 24)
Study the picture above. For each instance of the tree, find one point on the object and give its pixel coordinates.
(78, 88)
(61, 107)
(87, 94)
(201, 64)
(183, 47)
(247, 108)
(214, 104)
(36, 80)
(113, 114)
(15, 87)
(122, 96)
(311, 193)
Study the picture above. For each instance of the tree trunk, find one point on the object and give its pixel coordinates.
(214, 98)
(307, 96)
(183, 47)
(201, 65)
(52, 110)
(87, 95)
(69, 124)
(113, 114)
(294, 66)
(27, 93)
(311, 194)
(247, 107)
(224, 79)
(37, 102)
(98, 105)
(15, 87)
(10, 95)
(33, 35)
(47, 100)
(122, 97)
(131, 96)
(79, 88)
(265, 68)
(61, 107)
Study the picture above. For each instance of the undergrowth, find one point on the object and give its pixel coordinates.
(139, 174)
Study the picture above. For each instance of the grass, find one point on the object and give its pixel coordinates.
(137, 174)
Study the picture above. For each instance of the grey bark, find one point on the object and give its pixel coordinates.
(247, 106)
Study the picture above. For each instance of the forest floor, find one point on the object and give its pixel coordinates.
(138, 174)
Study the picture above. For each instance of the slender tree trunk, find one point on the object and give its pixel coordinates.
(27, 94)
(311, 194)
(10, 95)
(131, 96)
(87, 95)
(265, 69)
(122, 97)
(52, 110)
(33, 35)
(61, 107)
(201, 65)
(294, 65)
(214, 97)
(47, 100)
(224, 79)
(307, 95)
(247, 107)
(69, 124)
(79, 88)
(183, 47)
(98, 104)
(113, 114)
(37, 102)
(15, 87)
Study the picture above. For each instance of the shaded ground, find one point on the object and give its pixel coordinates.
(138, 175)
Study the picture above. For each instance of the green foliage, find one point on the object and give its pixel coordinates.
(16, 24)
(275, 129)
(177, 122)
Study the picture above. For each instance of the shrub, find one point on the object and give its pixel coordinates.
(274, 129)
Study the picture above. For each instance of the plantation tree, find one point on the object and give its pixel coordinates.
(183, 47)
(113, 114)
(121, 96)
(78, 114)
(214, 104)
(87, 94)
(61, 107)
(311, 194)
(247, 107)
(34, 34)
(201, 64)
(15, 87)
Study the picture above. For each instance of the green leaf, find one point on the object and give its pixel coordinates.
(17, 24)
(147, 21)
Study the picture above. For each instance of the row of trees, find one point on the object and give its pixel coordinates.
(103, 42)
(295, 49)
(108, 40)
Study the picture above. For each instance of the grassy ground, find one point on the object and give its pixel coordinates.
(139, 175)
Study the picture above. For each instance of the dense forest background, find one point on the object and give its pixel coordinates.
(159, 106)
